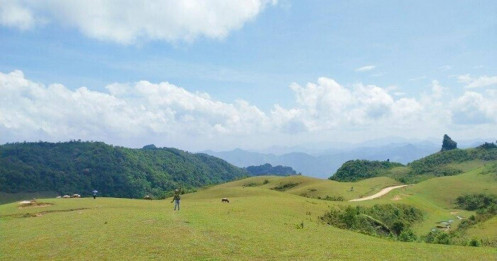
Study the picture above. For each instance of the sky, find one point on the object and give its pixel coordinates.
(251, 74)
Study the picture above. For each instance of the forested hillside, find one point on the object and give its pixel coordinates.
(268, 169)
(80, 167)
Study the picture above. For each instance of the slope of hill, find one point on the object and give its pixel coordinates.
(259, 223)
(80, 167)
(445, 163)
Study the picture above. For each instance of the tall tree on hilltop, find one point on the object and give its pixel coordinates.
(448, 143)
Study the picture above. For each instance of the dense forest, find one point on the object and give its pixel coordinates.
(268, 169)
(80, 167)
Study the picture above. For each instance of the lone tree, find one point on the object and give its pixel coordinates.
(448, 143)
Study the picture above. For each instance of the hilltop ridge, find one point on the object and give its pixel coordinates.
(446, 162)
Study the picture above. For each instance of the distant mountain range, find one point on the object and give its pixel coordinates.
(326, 163)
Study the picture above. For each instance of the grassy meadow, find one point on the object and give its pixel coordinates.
(259, 223)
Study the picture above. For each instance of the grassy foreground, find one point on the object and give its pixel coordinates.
(258, 224)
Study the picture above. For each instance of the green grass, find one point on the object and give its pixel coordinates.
(314, 188)
(257, 224)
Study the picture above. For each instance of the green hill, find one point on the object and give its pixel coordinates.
(80, 167)
(444, 163)
(354, 170)
(268, 169)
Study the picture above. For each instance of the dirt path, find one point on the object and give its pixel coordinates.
(379, 194)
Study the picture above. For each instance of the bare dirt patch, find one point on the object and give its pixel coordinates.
(39, 214)
(33, 203)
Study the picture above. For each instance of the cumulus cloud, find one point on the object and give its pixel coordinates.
(482, 81)
(327, 105)
(142, 109)
(140, 113)
(365, 68)
(129, 21)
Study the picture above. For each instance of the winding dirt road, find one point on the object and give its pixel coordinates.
(379, 194)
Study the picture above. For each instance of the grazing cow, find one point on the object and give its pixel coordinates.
(147, 197)
(66, 196)
(225, 200)
(76, 196)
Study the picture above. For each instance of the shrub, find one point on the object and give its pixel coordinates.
(407, 235)
(475, 242)
(286, 186)
(381, 220)
(438, 237)
(333, 198)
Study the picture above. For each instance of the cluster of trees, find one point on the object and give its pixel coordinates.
(388, 220)
(354, 170)
(268, 169)
(80, 167)
(480, 202)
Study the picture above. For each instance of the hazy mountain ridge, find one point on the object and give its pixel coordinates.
(326, 163)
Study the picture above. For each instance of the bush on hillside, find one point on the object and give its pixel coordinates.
(438, 237)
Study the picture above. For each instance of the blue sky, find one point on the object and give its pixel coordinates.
(250, 74)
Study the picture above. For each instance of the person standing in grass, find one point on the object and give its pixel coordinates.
(176, 199)
(95, 194)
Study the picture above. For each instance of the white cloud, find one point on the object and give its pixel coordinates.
(365, 68)
(482, 81)
(437, 89)
(474, 108)
(445, 68)
(130, 21)
(134, 114)
(14, 14)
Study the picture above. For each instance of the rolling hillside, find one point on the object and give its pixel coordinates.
(260, 223)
